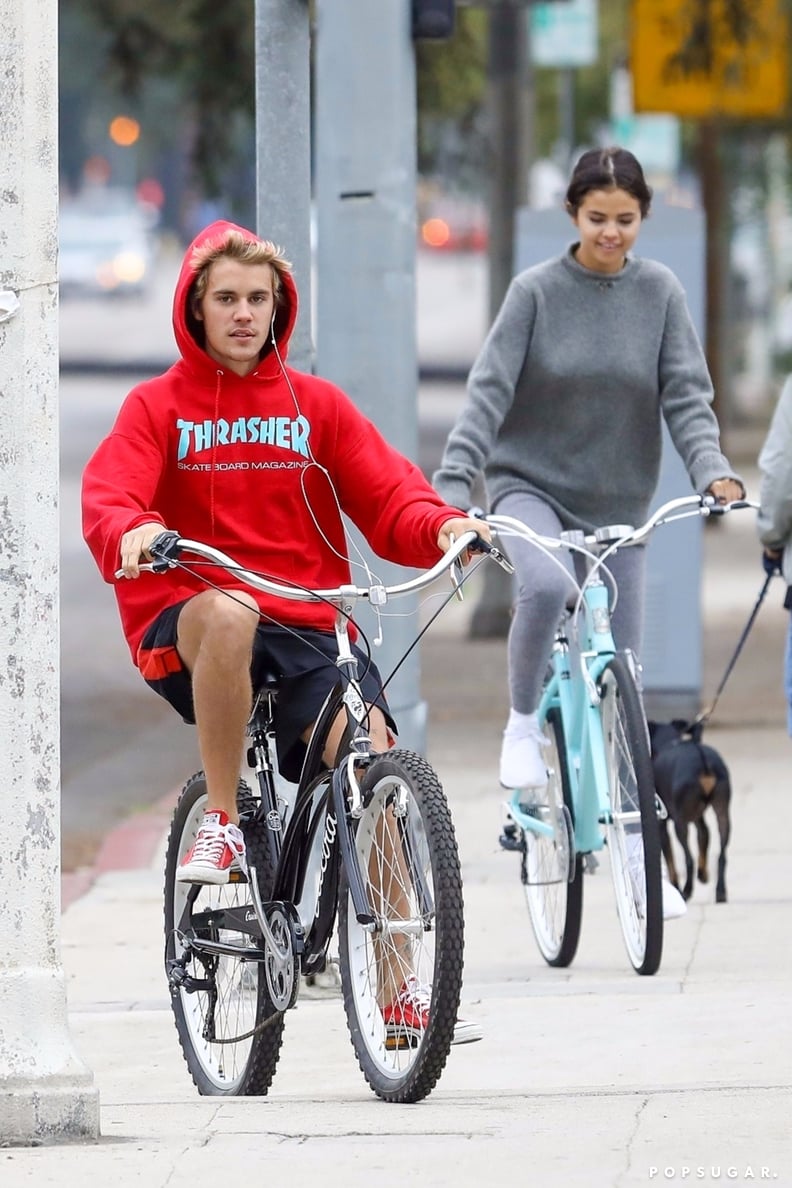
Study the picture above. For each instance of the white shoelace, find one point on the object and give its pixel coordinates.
(416, 993)
(212, 839)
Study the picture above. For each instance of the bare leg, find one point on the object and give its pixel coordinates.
(387, 868)
(389, 883)
(215, 640)
(378, 733)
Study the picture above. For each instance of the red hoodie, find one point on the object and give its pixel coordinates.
(250, 468)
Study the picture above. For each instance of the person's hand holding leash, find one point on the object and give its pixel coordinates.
(771, 560)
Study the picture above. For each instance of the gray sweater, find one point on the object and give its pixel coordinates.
(566, 395)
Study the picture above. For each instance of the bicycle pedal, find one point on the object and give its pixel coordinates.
(511, 839)
(399, 1043)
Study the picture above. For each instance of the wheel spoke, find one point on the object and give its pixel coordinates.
(551, 873)
(633, 842)
(402, 975)
(229, 1035)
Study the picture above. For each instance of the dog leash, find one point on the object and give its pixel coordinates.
(705, 714)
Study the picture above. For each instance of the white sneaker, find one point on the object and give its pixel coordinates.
(674, 905)
(522, 764)
(467, 1032)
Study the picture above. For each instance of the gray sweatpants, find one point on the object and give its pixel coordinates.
(541, 591)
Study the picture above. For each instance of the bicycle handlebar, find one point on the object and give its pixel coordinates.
(697, 505)
(599, 546)
(620, 535)
(167, 548)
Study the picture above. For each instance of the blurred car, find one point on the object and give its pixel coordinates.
(453, 224)
(104, 249)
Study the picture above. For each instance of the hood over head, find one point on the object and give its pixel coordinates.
(185, 326)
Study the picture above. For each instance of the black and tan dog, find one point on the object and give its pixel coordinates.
(691, 777)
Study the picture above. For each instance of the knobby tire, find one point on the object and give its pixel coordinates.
(241, 1061)
(410, 864)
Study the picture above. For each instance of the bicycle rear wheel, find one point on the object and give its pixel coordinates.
(551, 871)
(633, 832)
(407, 855)
(229, 1031)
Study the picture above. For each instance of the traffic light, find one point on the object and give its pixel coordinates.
(433, 18)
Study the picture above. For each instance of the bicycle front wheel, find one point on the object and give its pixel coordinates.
(402, 977)
(551, 871)
(633, 832)
(229, 1031)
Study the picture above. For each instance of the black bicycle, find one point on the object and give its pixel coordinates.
(368, 845)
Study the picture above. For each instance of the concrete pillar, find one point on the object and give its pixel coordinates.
(45, 1091)
(283, 148)
(365, 180)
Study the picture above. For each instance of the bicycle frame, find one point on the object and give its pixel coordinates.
(579, 701)
(339, 805)
(363, 848)
(576, 696)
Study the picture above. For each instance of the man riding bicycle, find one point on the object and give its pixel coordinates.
(233, 447)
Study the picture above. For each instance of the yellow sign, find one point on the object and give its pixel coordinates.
(700, 58)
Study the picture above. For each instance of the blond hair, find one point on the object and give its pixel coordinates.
(232, 244)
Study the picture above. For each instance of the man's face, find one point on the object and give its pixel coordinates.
(236, 311)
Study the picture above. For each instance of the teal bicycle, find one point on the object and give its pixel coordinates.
(600, 790)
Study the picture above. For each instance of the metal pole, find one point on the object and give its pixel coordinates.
(511, 117)
(365, 179)
(45, 1092)
(283, 148)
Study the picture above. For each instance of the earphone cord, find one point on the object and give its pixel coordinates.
(362, 563)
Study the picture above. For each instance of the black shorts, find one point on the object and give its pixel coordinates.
(301, 661)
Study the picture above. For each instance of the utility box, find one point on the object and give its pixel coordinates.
(672, 648)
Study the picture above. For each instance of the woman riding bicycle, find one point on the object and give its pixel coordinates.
(233, 447)
(563, 417)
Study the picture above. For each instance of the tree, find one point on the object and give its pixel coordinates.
(191, 65)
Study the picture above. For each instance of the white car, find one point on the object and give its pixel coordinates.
(103, 252)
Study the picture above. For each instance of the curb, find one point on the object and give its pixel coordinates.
(131, 845)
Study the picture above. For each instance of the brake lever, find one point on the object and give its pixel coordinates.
(483, 546)
(164, 551)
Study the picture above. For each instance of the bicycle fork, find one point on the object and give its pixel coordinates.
(584, 743)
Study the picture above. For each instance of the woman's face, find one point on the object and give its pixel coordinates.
(608, 222)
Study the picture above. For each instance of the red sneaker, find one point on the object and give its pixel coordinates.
(407, 1017)
(219, 848)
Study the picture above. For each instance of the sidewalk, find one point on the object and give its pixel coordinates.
(589, 1077)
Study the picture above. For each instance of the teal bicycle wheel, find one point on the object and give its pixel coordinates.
(633, 831)
(551, 871)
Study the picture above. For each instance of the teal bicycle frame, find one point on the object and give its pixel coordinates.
(576, 696)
